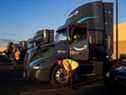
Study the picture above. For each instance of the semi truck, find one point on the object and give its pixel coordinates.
(83, 47)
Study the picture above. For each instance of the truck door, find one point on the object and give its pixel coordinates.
(97, 44)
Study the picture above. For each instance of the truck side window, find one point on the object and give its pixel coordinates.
(78, 34)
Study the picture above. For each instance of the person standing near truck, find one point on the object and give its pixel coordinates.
(10, 50)
(23, 50)
(17, 54)
(20, 55)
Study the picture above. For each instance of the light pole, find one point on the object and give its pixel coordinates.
(117, 30)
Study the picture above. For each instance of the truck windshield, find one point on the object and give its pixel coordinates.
(61, 36)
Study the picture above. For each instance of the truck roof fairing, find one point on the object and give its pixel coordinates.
(65, 26)
(91, 11)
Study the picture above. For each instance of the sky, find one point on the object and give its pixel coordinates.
(20, 19)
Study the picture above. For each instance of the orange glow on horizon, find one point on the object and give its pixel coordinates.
(122, 39)
(2, 49)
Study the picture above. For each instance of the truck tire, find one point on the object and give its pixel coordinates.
(59, 78)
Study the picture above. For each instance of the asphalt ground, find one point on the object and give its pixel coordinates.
(20, 87)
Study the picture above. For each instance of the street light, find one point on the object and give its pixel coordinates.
(117, 30)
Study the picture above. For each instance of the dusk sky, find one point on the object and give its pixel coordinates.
(20, 19)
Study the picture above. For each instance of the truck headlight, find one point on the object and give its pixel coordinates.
(36, 67)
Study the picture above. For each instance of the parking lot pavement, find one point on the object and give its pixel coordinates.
(43, 88)
(61, 91)
(92, 89)
(80, 90)
(99, 88)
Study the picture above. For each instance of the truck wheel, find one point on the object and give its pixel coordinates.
(59, 77)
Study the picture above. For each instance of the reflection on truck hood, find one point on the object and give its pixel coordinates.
(35, 62)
